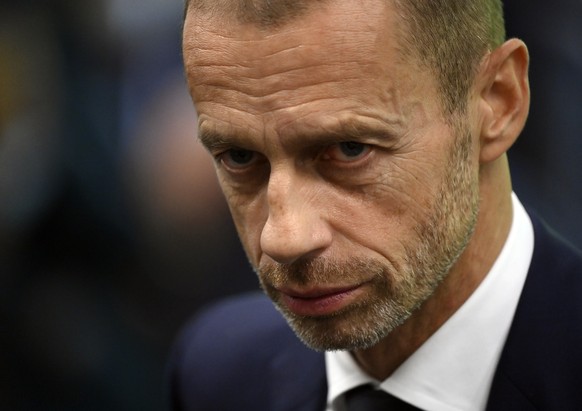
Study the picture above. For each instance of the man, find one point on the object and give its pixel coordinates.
(361, 147)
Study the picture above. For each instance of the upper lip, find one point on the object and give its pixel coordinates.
(316, 292)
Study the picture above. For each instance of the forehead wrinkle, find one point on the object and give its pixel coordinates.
(274, 75)
(283, 91)
(279, 65)
(257, 63)
(298, 41)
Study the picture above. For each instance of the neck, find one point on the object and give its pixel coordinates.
(491, 231)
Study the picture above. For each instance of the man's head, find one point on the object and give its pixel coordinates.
(355, 168)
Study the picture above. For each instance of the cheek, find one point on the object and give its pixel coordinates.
(383, 215)
(249, 215)
(372, 223)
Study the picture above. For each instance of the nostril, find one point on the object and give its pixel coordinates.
(294, 238)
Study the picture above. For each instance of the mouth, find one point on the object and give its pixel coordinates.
(317, 302)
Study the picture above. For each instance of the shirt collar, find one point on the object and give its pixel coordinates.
(454, 368)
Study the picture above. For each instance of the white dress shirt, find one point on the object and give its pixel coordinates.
(453, 370)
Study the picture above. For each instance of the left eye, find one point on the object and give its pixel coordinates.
(238, 158)
(347, 151)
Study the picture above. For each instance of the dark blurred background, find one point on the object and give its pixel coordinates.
(112, 228)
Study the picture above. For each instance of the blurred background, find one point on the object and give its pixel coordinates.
(112, 229)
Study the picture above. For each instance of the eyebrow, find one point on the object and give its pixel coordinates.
(355, 129)
(212, 139)
(347, 130)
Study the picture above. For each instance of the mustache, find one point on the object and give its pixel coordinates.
(322, 271)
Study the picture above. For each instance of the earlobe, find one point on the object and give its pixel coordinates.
(504, 98)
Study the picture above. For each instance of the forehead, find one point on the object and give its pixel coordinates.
(341, 55)
(344, 35)
(320, 16)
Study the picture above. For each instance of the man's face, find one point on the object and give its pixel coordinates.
(352, 195)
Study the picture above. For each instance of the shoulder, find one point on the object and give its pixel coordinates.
(542, 356)
(550, 305)
(555, 273)
(243, 318)
(234, 353)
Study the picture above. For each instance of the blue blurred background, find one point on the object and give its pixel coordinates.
(112, 228)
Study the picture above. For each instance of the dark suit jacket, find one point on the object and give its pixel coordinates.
(241, 354)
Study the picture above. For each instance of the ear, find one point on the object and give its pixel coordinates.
(504, 98)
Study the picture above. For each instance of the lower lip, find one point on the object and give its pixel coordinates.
(322, 305)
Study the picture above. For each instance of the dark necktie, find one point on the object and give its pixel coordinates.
(367, 398)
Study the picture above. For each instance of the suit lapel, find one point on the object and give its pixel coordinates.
(538, 368)
(506, 395)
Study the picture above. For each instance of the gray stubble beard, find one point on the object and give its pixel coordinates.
(396, 292)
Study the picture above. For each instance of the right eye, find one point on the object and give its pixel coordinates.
(238, 158)
(348, 152)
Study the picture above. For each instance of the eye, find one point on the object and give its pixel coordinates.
(238, 158)
(349, 151)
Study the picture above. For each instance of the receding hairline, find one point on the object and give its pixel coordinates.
(446, 37)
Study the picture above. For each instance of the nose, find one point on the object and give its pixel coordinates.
(295, 228)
